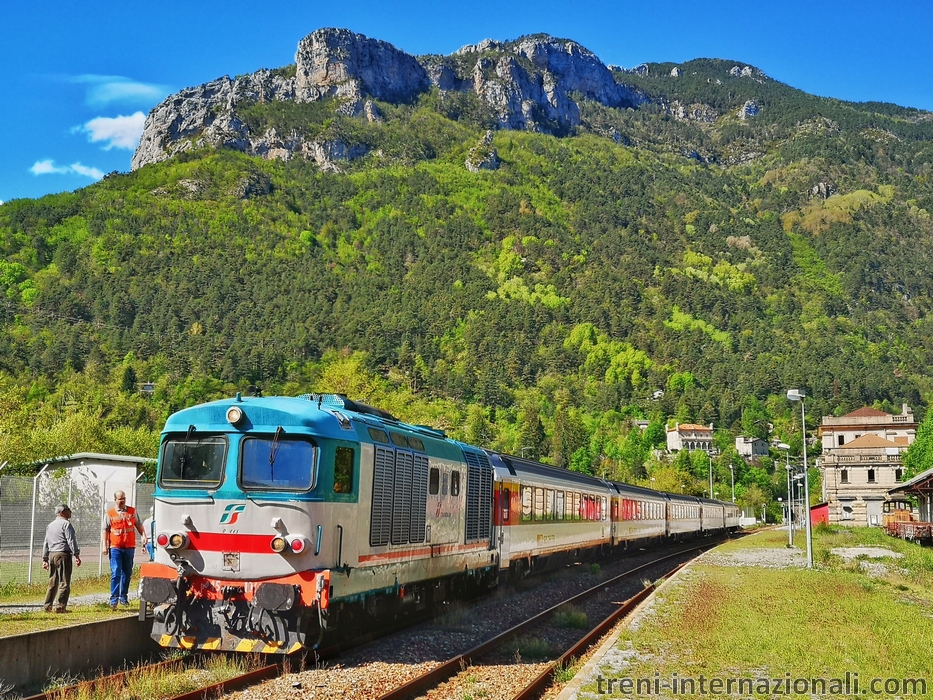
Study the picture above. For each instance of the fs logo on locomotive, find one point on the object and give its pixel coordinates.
(231, 513)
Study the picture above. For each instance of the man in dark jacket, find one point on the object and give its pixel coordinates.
(57, 551)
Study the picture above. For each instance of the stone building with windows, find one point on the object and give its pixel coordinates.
(690, 436)
(861, 462)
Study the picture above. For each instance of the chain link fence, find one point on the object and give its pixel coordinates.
(27, 506)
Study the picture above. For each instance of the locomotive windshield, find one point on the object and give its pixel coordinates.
(278, 463)
(193, 461)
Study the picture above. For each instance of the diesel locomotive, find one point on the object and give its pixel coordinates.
(278, 518)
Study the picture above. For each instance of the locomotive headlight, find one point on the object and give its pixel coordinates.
(279, 544)
(177, 540)
(234, 415)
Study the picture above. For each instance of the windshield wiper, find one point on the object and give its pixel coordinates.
(184, 455)
(274, 450)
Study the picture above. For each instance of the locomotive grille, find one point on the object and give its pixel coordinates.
(383, 477)
(400, 497)
(401, 502)
(478, 497)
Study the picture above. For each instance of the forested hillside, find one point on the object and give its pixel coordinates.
(717, 251)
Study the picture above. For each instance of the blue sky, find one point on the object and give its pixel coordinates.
(79, 77)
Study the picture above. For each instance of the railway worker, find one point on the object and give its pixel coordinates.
(120, 527)
(59, 547)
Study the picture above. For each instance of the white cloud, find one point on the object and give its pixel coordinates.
(45, 167)
(118, 132)
(107, 89)
(48, 167)
(92, 173)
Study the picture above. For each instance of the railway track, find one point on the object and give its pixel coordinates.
(497, 662)
(461, 675)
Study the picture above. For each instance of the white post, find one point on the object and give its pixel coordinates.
(806, 487)
(103, 512)
(797, 395)
(32, 527)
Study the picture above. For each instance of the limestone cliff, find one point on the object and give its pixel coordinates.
(530, 84)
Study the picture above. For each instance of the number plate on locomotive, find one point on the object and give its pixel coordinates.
(231, 561)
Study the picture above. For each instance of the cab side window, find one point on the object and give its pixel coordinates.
(343, 470)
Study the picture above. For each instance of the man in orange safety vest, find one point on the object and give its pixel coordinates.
(120, 527)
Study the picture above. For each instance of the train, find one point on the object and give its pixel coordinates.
(278, 519)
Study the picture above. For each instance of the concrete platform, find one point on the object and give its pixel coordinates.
(28, 661)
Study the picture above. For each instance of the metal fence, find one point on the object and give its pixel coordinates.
(27, 506)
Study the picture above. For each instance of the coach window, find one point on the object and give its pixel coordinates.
(577, 507)
(549, 505)
(527, 505)
(434, 481)
(278, 463)
(455, 483)
(602, 509)
(559, 505)
(539, 503)
(343, 470)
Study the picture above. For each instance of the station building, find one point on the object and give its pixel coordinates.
(861, 462)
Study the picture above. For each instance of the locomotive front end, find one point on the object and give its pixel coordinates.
(238, 521)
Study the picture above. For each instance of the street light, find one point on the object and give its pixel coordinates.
(732, 472)
(797, 395)
(712, 451)
(790, 497)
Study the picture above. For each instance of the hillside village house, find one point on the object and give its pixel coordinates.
(751, 448)
(861, 462)
(690, 436)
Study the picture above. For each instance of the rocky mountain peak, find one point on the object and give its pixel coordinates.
(339, 63)
(530, 84)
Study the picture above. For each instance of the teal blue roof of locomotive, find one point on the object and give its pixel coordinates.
(325, 415)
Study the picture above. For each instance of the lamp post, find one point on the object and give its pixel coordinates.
(790, 497)
(798, 395)
(732, 472)
(712, 450)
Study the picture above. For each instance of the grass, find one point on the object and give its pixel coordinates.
(732, 622)
(529, 647)
(159, 682)
(34, 621)
(570, 617)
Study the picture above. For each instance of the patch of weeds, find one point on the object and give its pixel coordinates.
(570, 617)
(473, 691)
(595, 569)
(530, 648)
(564, 673)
